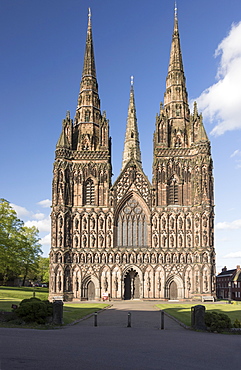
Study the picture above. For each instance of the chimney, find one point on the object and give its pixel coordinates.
(224, 269)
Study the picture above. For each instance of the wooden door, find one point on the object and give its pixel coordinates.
(173, 290)
(91, 291)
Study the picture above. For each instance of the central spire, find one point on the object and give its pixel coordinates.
(132, 144)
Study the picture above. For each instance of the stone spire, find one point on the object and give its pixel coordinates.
(88, 107)
(88, 119)
(132, 144)
(176, 109)
(176, 92)
(89, 60)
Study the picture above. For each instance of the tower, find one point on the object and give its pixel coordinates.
(183, 183)
(81, 180)
(133, 239)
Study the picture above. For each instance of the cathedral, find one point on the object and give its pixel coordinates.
(133, 239)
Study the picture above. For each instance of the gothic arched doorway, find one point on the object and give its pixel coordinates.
(131, 285)
(173, 290)
(91, 291)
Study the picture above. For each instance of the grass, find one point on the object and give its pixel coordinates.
(20, 293)
(72, 311)
(76, 311)
(182, 312)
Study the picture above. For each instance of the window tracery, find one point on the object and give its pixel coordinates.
(89, 192)
(132, 225)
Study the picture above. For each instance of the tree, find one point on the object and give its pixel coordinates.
(10, 240)
(41, 273)
(30, 251)
(19, 245)
(43, 269)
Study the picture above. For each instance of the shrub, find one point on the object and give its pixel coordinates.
(34, 310)
(237, 324)
(217, 321)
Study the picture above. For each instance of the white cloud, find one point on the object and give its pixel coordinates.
(46, 240)
(45, 203)
(38, 216)
(221, 101)
(233, 255)
(21, 211)
(236, 153)
(42, 225)
(228, 225)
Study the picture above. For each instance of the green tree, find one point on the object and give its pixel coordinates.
(43, 269)
(10, 240)
(19, 245)
(30, 251)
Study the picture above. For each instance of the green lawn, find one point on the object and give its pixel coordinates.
(76, 311)
(182, 312)
(20, 293)
(72, 311)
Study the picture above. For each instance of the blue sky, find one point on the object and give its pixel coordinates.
(42, 46)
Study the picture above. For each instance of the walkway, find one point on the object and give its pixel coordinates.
(144, 314)
(113, 346)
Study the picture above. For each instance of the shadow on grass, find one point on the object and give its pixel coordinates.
(24, 289)
(183, 312)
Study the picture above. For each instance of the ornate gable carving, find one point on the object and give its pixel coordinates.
(132, 178)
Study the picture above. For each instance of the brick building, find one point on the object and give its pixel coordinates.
(228, 284)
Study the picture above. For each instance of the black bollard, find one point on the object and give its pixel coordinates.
(95, 319)
(162, 320)
(129, 320)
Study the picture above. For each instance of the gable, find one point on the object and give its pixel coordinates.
(132, 178)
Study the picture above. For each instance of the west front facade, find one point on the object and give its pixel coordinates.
(133, 239)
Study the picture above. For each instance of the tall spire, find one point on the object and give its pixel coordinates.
(89, 60)
(176, 108)
(88, 119)
(132, 144)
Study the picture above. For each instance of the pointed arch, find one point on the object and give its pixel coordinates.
(174, 288)
(89, 192)
(173, 191)
(131, 221)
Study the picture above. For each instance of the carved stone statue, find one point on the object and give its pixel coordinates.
(92, 222)
(105, 284)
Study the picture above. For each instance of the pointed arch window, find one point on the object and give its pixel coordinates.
(172, 196)
(132, 225)
(89, 192)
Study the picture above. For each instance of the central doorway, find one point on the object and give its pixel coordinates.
(131, 285)
(91, 291)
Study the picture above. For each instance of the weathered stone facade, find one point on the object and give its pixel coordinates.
(133, 239)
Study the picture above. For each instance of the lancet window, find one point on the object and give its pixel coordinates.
(89, 192)
(132, 225)
(172, 196)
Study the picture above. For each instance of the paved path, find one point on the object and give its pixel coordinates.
(113, 346)
(143, 315)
